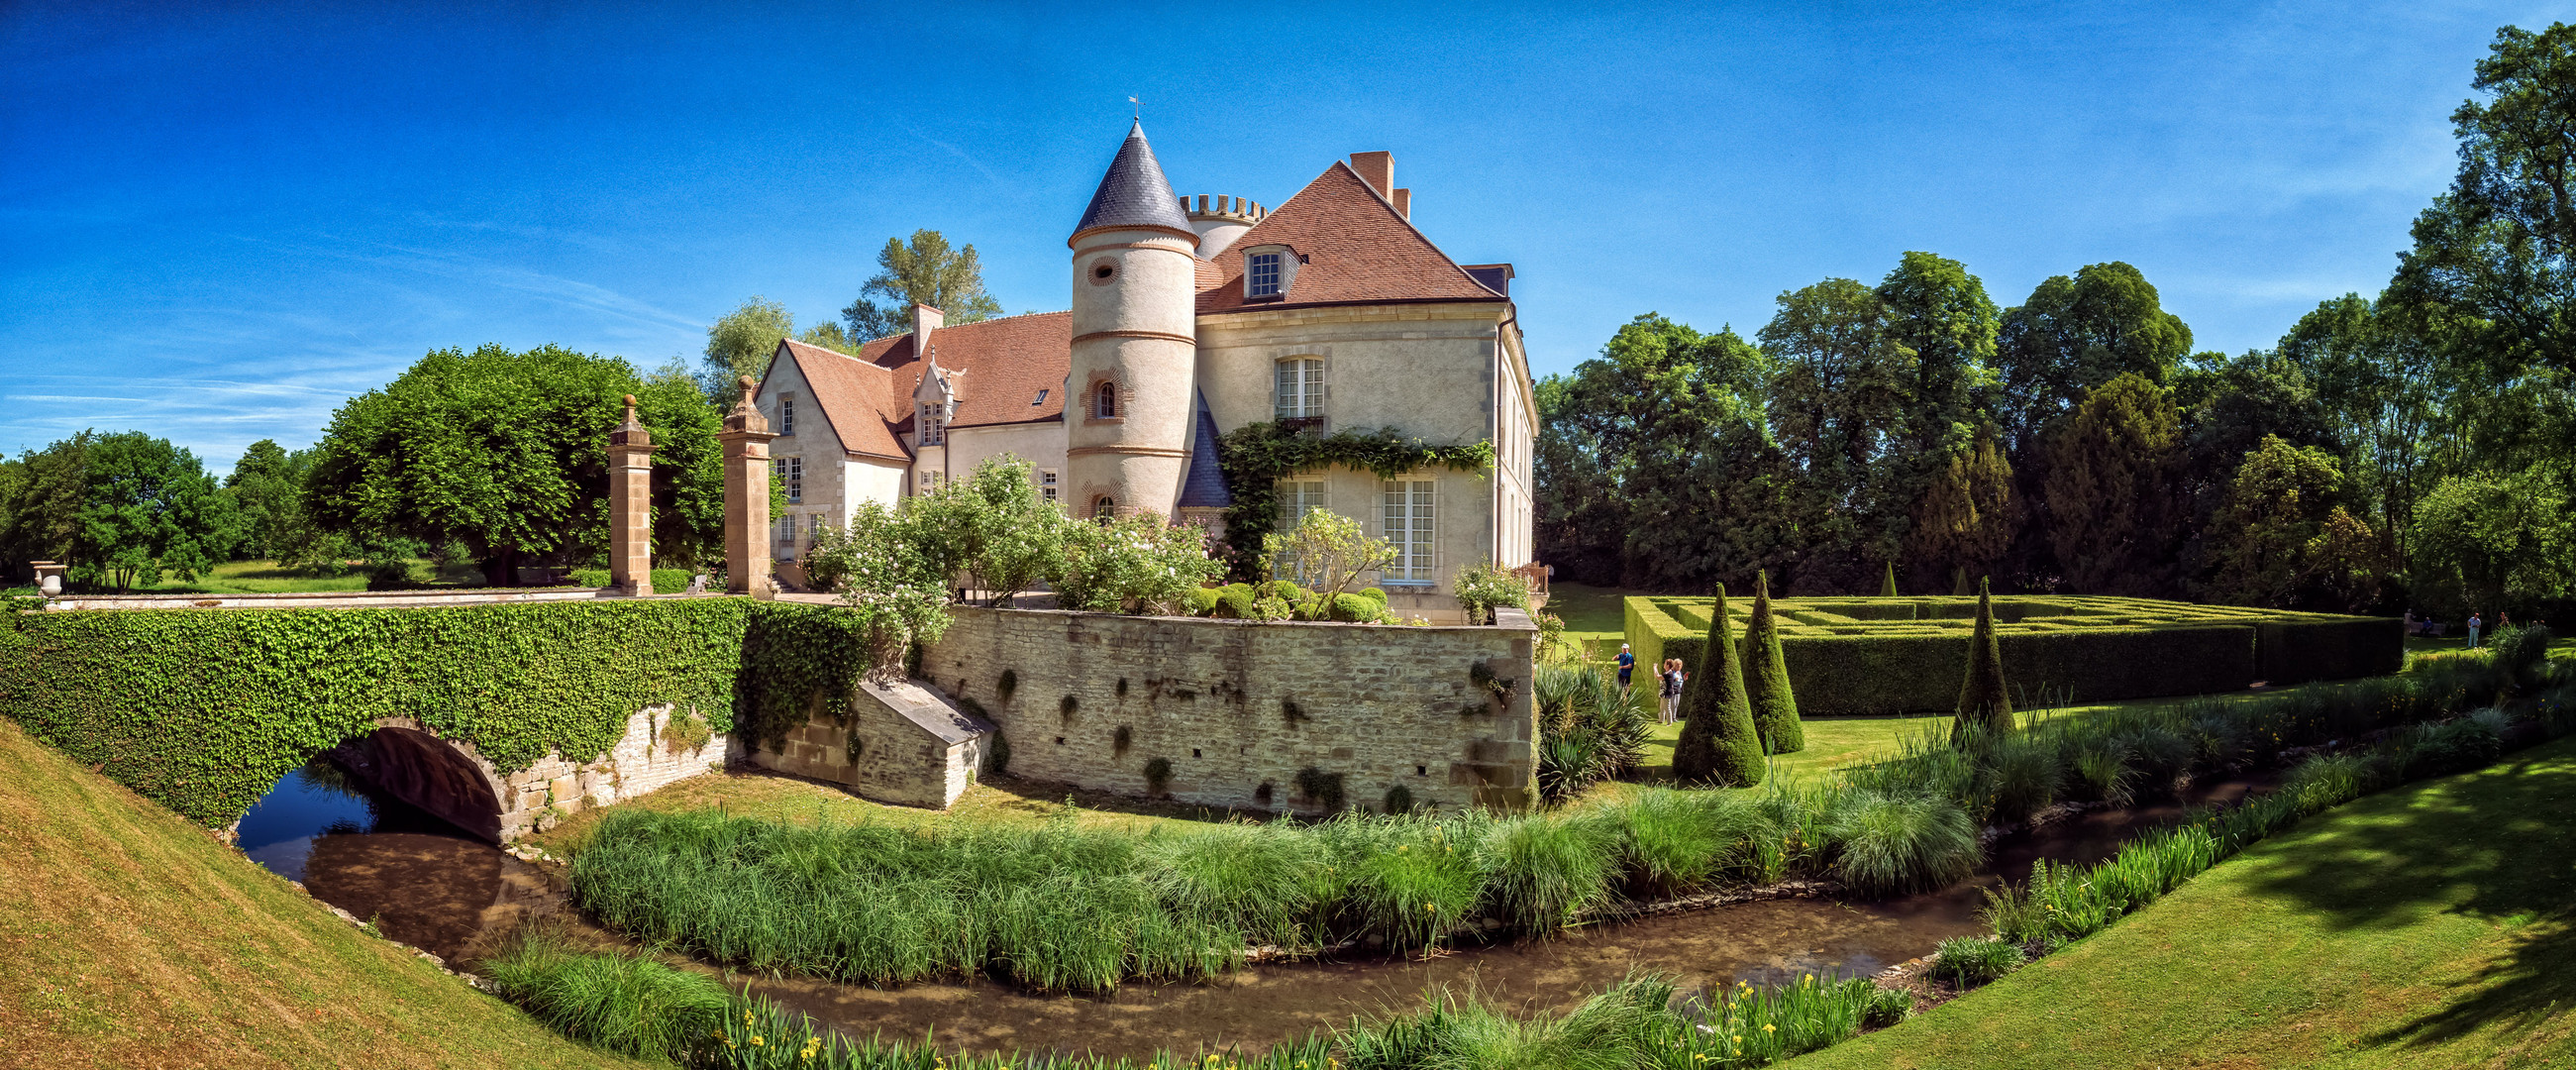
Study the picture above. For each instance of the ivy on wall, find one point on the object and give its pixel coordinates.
(203, 710)
(1255, 457)
(790, 653)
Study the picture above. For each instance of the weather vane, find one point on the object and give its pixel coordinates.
(1136, 110)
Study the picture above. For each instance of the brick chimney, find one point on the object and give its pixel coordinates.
(1378, 170)
(1404, 203)
(925, 319)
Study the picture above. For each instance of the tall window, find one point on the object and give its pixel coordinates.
(1105, 404)
(783, 529)
(786, 414)
(1297, 497)
(791, 471)
(1047, 485)
(815, 529)
(1301, 388)
(934, 425)
(1261, 279)
(1408, 526)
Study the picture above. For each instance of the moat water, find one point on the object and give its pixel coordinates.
(435, 887)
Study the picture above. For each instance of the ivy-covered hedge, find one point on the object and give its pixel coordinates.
(204, 709)
(792, 652)
(1889, 655)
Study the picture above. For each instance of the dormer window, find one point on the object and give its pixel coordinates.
(934, 425)
(1261, 275)
(1040, 399)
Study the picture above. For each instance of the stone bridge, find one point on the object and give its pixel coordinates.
(455, 782)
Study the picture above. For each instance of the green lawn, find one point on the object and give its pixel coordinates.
(266, 577)
(134, 939)
(2430, 926)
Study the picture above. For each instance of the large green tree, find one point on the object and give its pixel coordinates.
(1652, 464)
(2380, 383)
(2283, 537)
(267, 490)
(147, 508)
(506, 452)
(2112, 490)
(924, 271)
(2486, 541)
(2074, 334)
(1839, 408)
(742, 342)
(2492, 255)
(41, 492)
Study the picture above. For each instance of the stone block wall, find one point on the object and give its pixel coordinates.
(555, 787)
(893, 743)
(1268, 716)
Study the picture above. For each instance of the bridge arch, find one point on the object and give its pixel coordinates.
(446, 779)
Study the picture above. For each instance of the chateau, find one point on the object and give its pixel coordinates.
(1330, 312)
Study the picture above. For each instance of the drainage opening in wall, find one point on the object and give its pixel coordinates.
(1420, 770)
(1059, 741)
(1194, 752)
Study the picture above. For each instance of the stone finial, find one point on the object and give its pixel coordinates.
(745, 415)
(630, 433)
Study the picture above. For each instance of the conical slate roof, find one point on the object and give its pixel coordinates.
(1134, 193)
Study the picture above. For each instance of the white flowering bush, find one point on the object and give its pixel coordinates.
(991, 530)
(879, 568)
(1132, 564)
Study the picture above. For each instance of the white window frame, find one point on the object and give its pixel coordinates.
(1298, 388)
(1047, 485)
(1104, 401)
(791, 471)
(1254, 284)
(1409, 517)
(934, 426)
(786, 414)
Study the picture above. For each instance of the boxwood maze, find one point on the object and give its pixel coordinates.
(1907, 655)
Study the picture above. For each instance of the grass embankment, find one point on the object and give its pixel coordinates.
(2429, 926)
(132, 939)
(268, 577)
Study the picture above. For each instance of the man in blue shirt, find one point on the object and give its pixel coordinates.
(1627, 665)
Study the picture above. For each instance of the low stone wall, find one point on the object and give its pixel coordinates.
(1271, 716)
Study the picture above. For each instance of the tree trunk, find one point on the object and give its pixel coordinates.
(501, 567)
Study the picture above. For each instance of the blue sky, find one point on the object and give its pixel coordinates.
(218, 222)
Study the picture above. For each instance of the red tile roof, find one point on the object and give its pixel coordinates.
(858, 399)
(1007, 361)
(1357, 250)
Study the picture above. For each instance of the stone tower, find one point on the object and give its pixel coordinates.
(1135, 340)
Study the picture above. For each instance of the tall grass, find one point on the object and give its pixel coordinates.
(1902, 843)
(622, 1002)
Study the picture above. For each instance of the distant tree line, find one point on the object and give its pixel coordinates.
(2417, 448)
(493, 457)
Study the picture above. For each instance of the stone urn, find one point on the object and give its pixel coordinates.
(49, 577)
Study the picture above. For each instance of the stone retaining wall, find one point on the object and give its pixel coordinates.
(555, 787)
(1255, 715)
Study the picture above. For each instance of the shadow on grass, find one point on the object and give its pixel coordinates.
(2496, 845)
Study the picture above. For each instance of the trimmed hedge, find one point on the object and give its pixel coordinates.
(1857, 656)
(203, 710)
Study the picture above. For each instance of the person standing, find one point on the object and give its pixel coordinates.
(2474, 622)
(1627, 665)
(1673, 678)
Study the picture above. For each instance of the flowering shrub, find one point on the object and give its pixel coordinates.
(1486, 586)
(879, 567)
(992, 527)
(1137, 563)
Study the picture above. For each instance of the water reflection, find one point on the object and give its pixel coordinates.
(421, 880)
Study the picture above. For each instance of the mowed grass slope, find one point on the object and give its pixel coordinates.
(130, 938)
(2429, 926)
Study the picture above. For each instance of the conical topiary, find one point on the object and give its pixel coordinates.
(1983, 699)
(1719, 744)
(1766, 677)
(1887, 584)
(1959, 581)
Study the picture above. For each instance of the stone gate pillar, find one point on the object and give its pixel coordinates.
(746, 497)
(630, 506)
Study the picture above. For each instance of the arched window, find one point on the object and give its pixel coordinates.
(1106, 407)
(1104, 510)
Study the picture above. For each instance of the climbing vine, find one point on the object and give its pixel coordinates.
(203, 710)
(791, 653)
(1255, 457)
